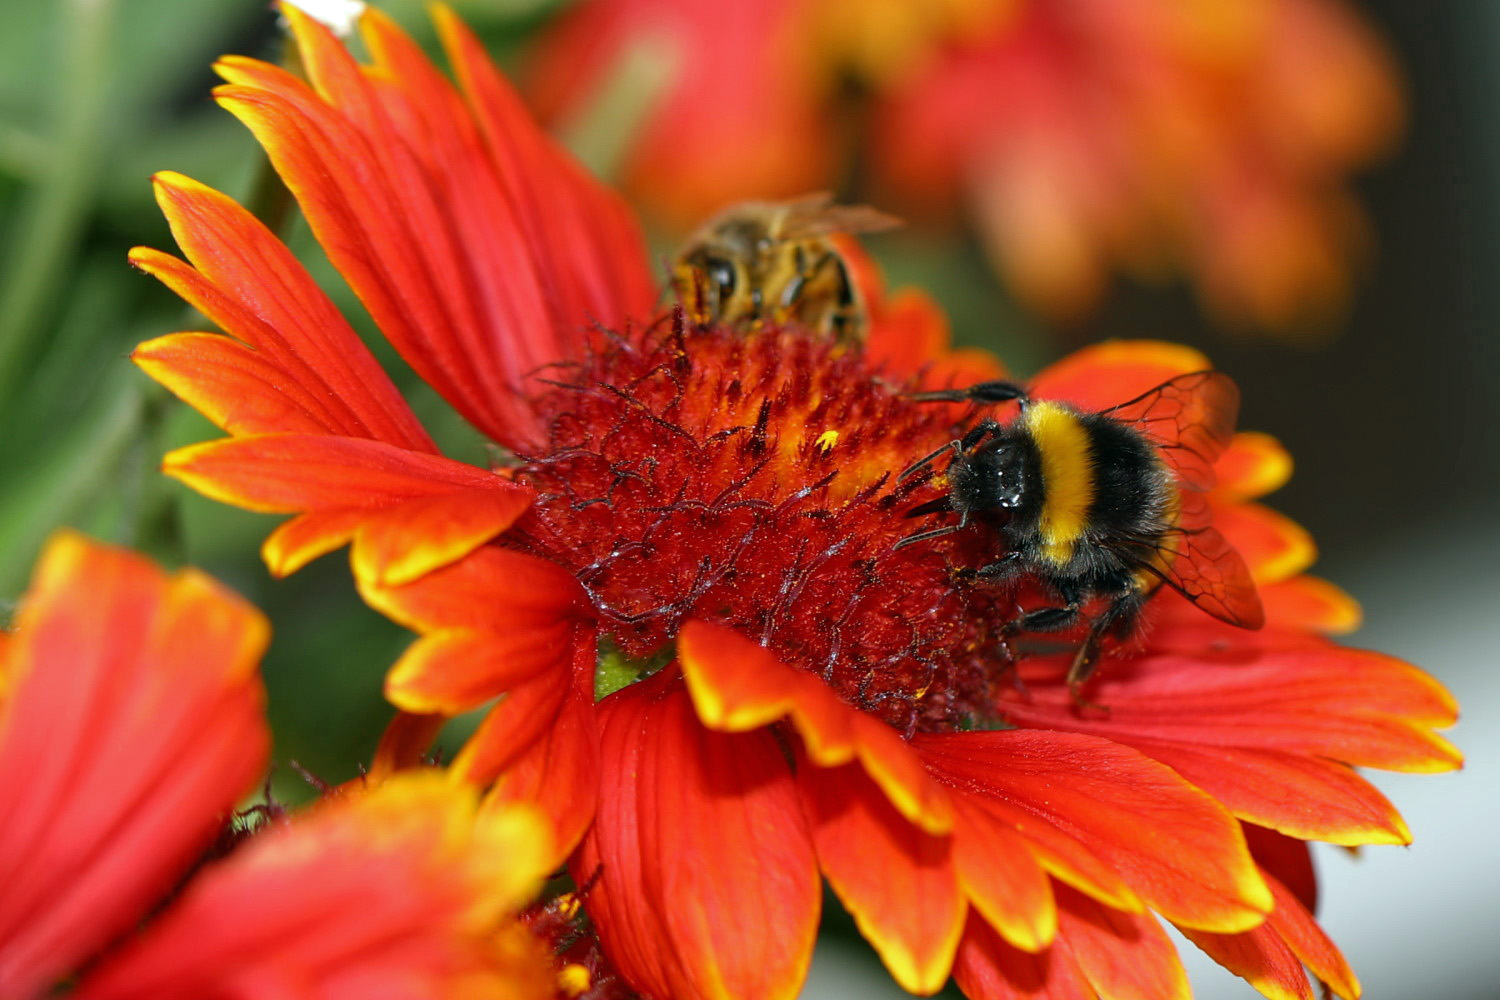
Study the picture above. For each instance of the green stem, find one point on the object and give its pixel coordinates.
(42, 246)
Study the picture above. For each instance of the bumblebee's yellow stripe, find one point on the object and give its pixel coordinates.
(1067, 477)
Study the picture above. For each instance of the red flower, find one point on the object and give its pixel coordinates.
(697, 527)
(130, 724)
(1153, 137)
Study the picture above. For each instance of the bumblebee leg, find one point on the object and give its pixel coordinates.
(1002, 569)
(1045, 620)
(984, 393)
(1118, 619)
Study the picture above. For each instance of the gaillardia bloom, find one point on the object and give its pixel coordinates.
(1210, 140)
(131, 721)
(714, 669)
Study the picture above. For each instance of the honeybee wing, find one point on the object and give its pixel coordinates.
(1190, 419)
(1198, 562)
(814, 215)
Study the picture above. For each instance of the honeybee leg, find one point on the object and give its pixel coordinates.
(1119, 618)
(985, 392)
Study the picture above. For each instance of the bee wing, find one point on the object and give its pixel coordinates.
(1198, 562)
(1190, 419)
(814, 215)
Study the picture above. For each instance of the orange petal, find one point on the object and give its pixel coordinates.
(737, 686)
(132, 723)
(1124, 956)
(705, 884)
(1285, 859)
(240, 389)
(1260, 958)
(245, 280)
(1211, 685)
(897, 880)
(559, 773)
(1296, 926)
(987, 968)
(490, 588)
(1271, 956)
(1253, 465)
(451, 671)
(1274, 547)
(1114, 371)
(590, 252)
(1308, 602)
(404, 890)
(513, 727)
(1001, 877)
(1173, 845)
(420, 511)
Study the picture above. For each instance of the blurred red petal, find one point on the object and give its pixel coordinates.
(737, 686)
(401, 892)
(705, 884)
(1253, 465)
(132, 723)
(408, 512)
(1308, 602)
(1174, 845)
(1112, 372)
(750, 107)
(245, 280)
(896, 879)
(909, 334)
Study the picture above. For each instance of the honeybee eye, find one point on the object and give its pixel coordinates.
(721, 273)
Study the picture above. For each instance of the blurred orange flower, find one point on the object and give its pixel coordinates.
(1210, 139)
(131, 721)
(713, 670)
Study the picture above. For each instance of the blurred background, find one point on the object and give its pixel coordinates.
(1364, 338)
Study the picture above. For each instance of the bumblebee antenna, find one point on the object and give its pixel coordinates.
(922, 536)
(924, 462)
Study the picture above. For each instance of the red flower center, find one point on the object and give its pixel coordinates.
(750, 481)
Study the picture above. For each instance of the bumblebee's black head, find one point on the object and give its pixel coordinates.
(1001, 476)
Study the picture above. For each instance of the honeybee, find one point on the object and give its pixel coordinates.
(1104, 506)
(777, 262)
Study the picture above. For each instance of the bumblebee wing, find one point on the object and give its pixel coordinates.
(1190, 419)
(1198, 562)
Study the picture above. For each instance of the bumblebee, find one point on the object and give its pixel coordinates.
(1101, 508)
(777, 262)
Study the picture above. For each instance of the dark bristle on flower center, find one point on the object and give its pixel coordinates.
(750, 481)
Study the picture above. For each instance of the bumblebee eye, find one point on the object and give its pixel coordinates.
(721, 273)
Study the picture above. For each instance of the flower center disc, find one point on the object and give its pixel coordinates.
(750, 481)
